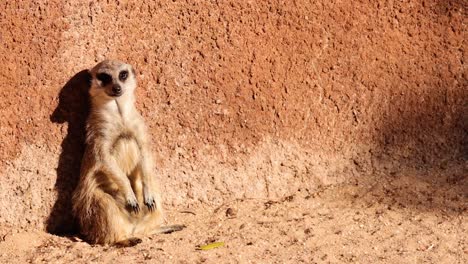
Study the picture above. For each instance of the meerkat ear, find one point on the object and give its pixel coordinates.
(88, 77)
(133, 71)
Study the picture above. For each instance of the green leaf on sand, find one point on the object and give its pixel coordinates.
(210, 246)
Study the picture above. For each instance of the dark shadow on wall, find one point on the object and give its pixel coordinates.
(73, 109)
(421, 159)
(427, 131)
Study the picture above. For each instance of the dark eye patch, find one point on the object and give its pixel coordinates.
(104, 78)
(123, 75)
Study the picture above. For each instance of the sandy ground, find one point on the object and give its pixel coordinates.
(398, 219)
(248, 99)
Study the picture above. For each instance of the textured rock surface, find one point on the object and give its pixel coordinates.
(244, 99)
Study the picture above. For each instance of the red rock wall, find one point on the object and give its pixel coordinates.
(242, 98)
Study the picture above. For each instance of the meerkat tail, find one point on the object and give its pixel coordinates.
(168, 229)
(130, 242)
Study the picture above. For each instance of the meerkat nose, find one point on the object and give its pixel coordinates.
(116, 89)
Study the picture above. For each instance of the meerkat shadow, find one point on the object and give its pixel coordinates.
(73, 108)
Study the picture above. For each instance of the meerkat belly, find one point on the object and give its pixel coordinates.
(126, 152)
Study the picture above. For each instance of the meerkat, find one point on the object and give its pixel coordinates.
(117, 200)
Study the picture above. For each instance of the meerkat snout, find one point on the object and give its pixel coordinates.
(116, 90)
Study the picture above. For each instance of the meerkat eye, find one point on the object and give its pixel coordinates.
(104, 78)
(123, 75)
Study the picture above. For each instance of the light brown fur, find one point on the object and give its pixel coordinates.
(117, 199)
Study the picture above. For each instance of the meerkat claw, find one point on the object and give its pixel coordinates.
(151, 204)
(133, 206)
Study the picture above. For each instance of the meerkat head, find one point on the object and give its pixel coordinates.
(112, 79)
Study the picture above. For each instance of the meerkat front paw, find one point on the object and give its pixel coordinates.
(150, 202)
(132, 205)
(149, 199)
